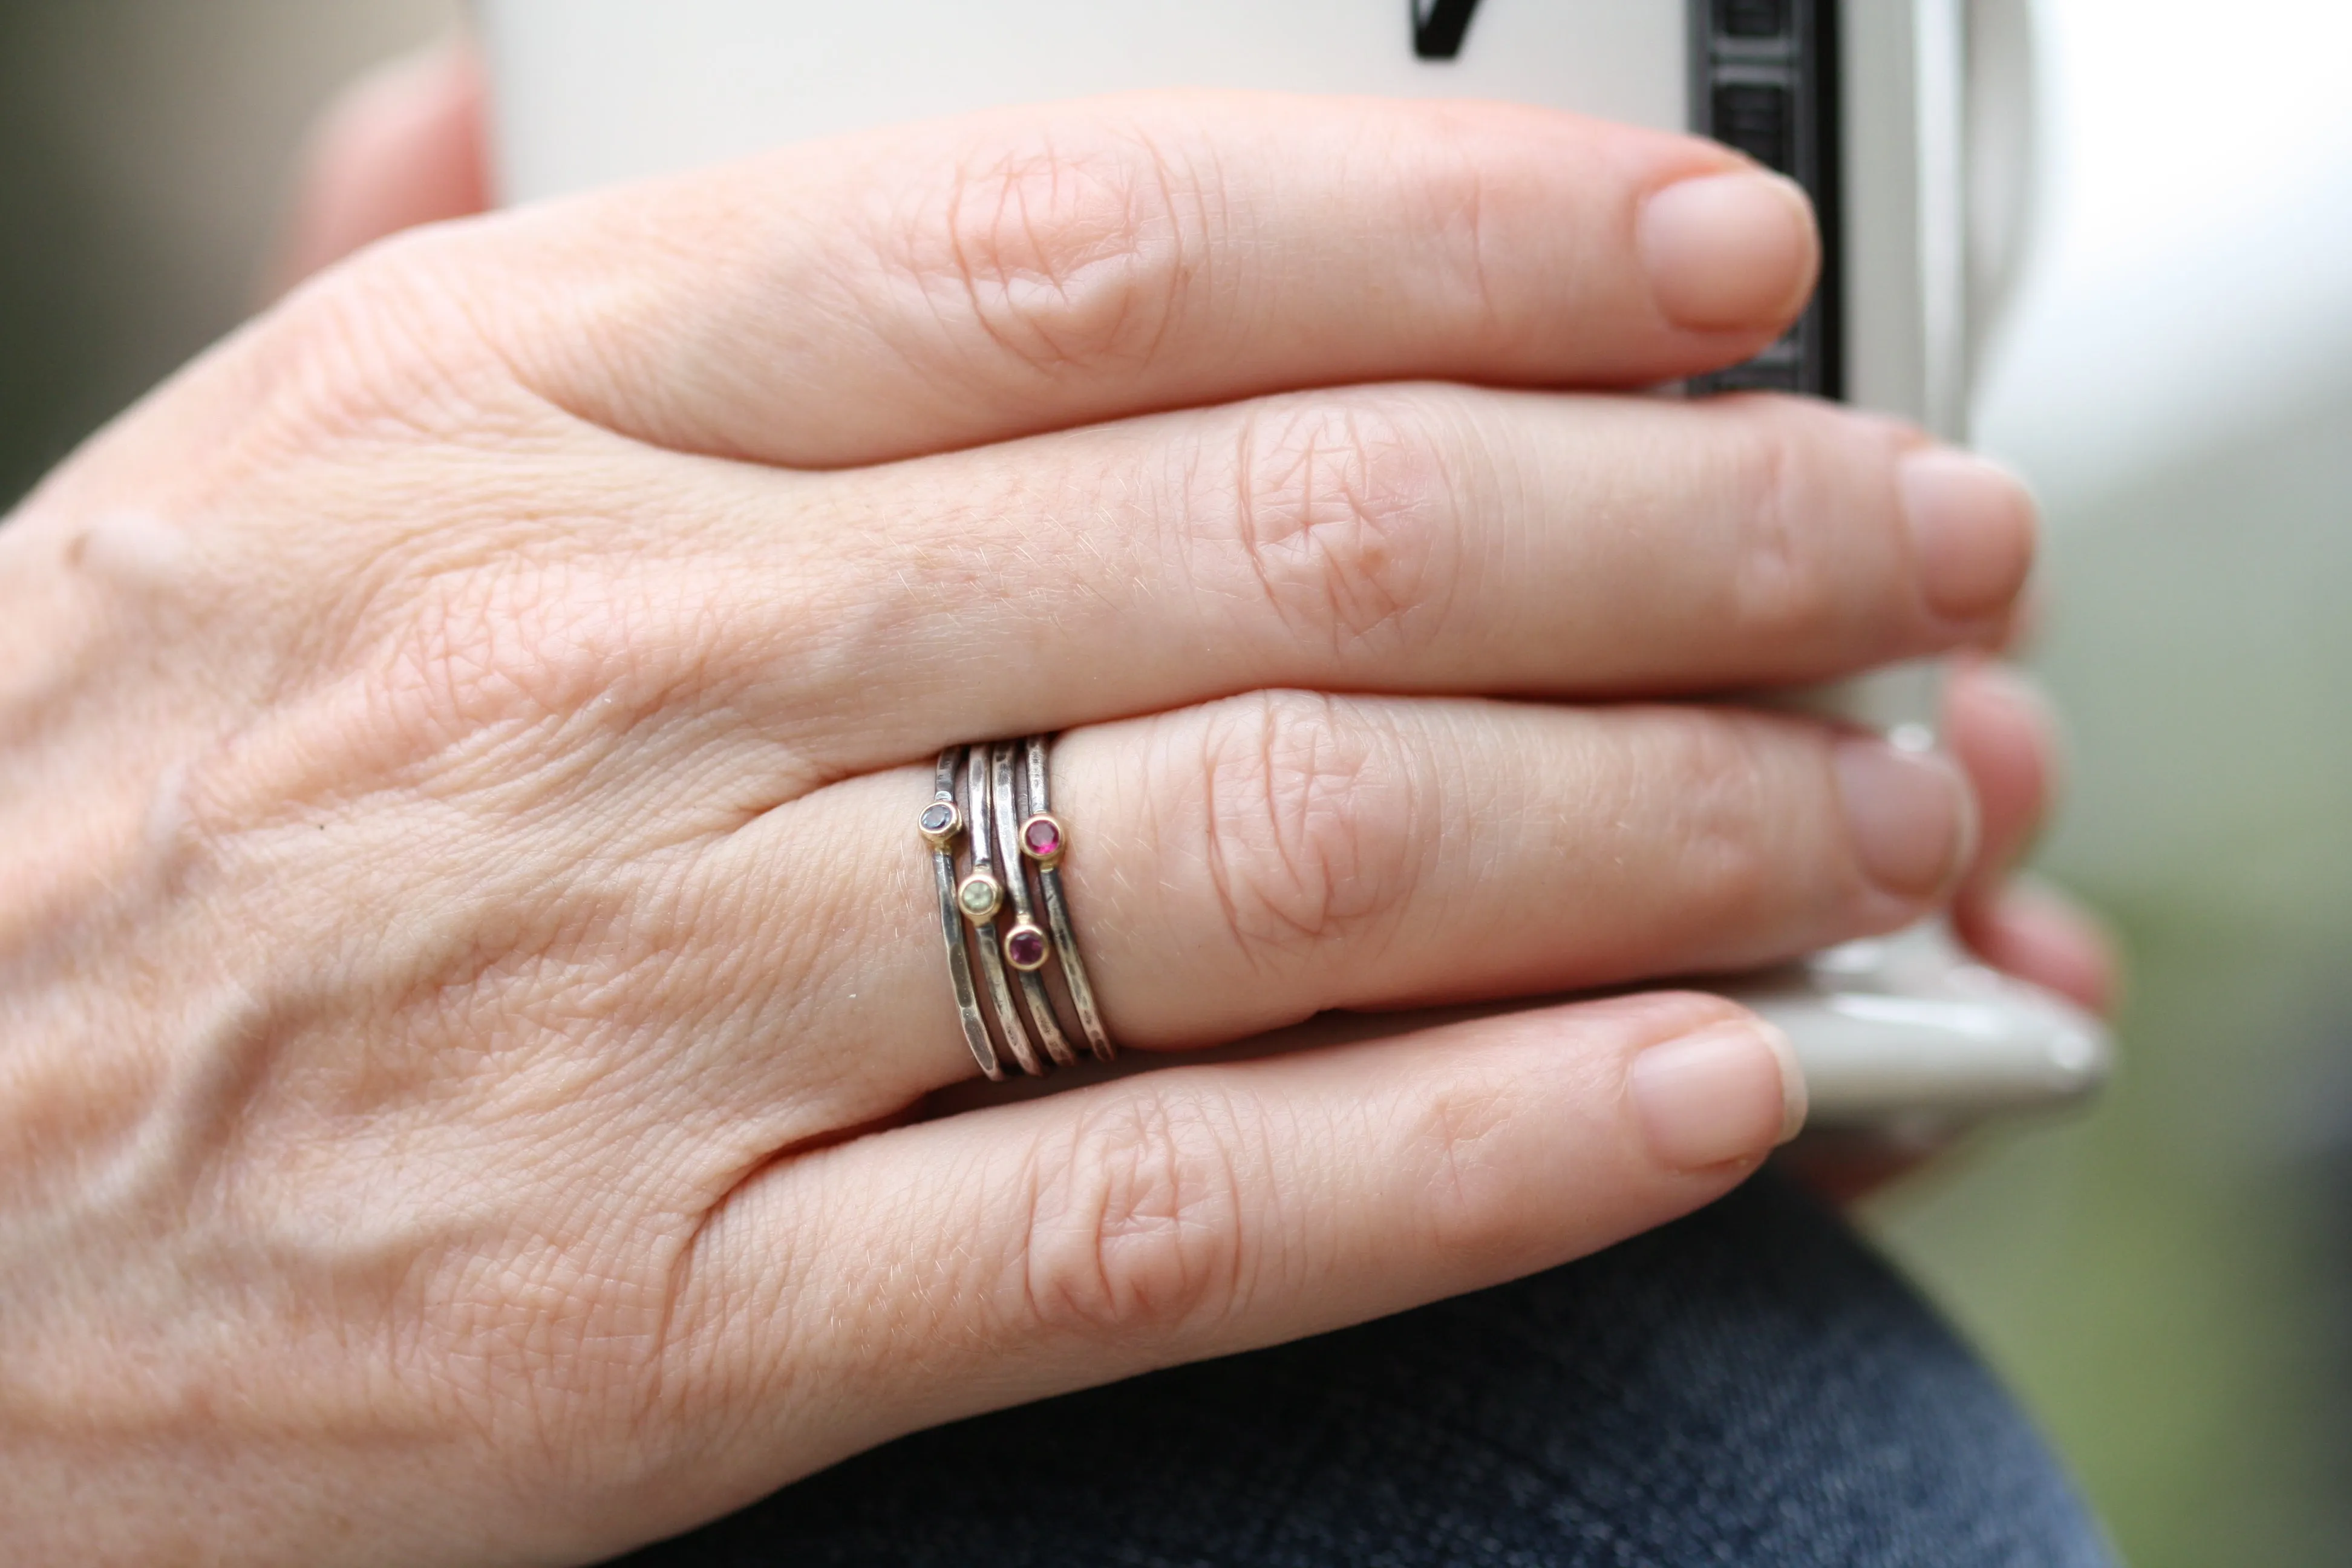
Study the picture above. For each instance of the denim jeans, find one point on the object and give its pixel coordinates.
(1749, 1386)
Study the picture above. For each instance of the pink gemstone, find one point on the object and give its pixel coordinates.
(1043, 839)
(1026, 949)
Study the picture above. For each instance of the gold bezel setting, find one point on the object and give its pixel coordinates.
(1027, 947)
(980, 895)
(938, 833)
(1043, 839)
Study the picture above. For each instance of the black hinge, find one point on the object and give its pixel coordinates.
(1439, 25)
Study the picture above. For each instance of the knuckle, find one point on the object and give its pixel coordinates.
(1341, 517)
(1785, 585)
(520, 643)
(1475, 1205)
(1719, 773)
(1135, 1221)
(384, 344)
(1313, 821)
(1073, 251)
(1452, 175)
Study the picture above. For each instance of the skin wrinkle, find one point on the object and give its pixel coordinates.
(533, 1360)
(921, 354)
(1427, 779)
(1460, 794)
(1191, 471)
(1339, 544)
(1220, 858)
(587, 354)
(1469, 465)
(1221, 212)
(1187, 262)
(513, 641)
(1286, 884)
(368, 351)
(1136, 1220)
(1367, 606)
(1465, 214)
(1780, 583)
(968, 273)
(1098, 287)
(1245, 510)
(1460, 1120)
(928, 1281)
(800, 962)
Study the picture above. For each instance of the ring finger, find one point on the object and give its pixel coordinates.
(1242, 866)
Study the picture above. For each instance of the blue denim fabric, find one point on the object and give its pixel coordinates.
(1751, 1385)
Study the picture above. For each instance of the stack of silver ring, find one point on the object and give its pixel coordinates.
(992, 801)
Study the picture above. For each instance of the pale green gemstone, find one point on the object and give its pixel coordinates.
(980, 897)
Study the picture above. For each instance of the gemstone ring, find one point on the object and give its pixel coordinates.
(981, 896)
(1025, 947)
(992, 800)
(941, 824)
(1043, 843)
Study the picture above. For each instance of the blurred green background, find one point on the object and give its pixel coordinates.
(2168, 1280)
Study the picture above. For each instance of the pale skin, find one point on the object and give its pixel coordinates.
(469, 975)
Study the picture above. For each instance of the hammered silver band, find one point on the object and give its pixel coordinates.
(994, 801)
(941, 824)
(1027, 947)
(977, 828)
(1038, 809)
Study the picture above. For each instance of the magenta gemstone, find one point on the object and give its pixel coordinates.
(1043, 839)
(1026, 949)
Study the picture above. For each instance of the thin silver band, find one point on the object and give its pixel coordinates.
(975, 1028)
(984, 932)
(1057, 910)
(1016, 886)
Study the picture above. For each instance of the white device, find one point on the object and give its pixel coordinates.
(1902, 118)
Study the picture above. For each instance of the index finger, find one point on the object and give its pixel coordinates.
(951, 284)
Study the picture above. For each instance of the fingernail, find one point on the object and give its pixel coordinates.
(1729, 250)
(1972, 528)
(1910, 815)
(1733, 1091)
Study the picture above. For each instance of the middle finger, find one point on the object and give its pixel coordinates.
(1421, 539)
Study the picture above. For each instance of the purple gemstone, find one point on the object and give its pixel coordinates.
(1026, 949)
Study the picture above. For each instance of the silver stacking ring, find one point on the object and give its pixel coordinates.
(982, 895)
(1027, 947)
(993, 800)
(941, 825)
(1043, 843)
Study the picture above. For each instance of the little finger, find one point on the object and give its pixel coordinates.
(928, 1272)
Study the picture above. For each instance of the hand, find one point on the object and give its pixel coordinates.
(467, 959)
(408, 146)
